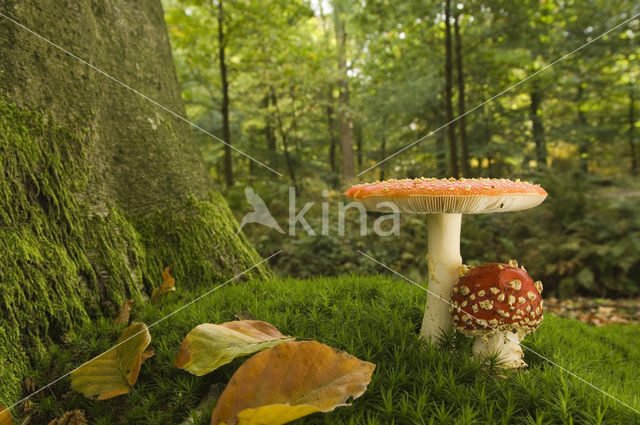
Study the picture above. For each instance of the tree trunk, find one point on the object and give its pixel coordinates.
(464, 148)
(344, 116)
(631, 133)
(448, 93)
(268, 128)
(359, 137)
(537, 127)
(283, 137)
(224, 107)
(331, 128)
(583, 148)
(100, 188)
(383, 148)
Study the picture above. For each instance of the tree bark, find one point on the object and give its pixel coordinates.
(448, 93)
(100, 188)
(464, 148)
(344, 116)
(283, 137)
(224, 107)
(268, 128)
(359, 137)
(383, 148)
(631, 132)
(331, 128)
(537, 127)
(583, 148)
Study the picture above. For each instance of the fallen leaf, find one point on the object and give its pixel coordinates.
(116, 371)
(75, 417)
(29, 386)
(123, 317)
(5, 417)
(295, 379)
(209, 346)
(168, 284)
(244, 315)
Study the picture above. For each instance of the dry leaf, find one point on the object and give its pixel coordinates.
(168, 284)
(123, 317)
(5, 417)
(296, 379)
(596, 311)
(29, 386)
(209, 346)
(244, 315)
(75, 417)
(116, 371)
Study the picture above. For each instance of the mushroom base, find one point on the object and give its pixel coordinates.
(506, 345)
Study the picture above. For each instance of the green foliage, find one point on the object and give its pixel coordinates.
(585, 241)
(376, 319)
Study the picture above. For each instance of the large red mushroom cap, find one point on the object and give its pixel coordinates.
(497, 297)
(448, 196)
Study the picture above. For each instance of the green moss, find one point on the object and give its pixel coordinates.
(376, 319)
(47, 276)
(65, 262)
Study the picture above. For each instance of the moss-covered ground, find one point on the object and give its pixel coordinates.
(377, 319)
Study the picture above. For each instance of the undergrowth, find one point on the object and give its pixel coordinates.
(376, 319)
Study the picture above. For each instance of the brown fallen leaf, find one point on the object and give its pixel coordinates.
(244, 315)
(5, 417)
(296, 379)
(209, 346)
(116, 371)
(168, 284)
(123, 317)
(74, 417)
(29, 386)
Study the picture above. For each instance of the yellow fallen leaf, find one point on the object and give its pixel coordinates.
(209, 346)
(123, 317)
(168, 284)
(116, 371)
(295, 379)
(5, 417)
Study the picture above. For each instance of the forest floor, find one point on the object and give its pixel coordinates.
(596, 311)
(376, 319)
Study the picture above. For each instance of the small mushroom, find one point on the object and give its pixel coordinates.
(445, 200)
(511, 307)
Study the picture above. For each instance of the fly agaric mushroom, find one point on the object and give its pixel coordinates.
(445, 200)
(498, 304)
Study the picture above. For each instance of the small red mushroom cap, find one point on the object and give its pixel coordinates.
(497, 297)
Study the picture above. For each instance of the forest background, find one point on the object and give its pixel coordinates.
(322, 92)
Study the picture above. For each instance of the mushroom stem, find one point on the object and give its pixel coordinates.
(444, 260)
(505, 345)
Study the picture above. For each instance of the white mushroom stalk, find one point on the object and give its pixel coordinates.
(504, 345)
(444, 260)
(445, 200)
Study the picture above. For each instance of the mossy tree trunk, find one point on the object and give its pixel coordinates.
(100, 189)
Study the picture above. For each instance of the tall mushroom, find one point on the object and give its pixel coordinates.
(498, 304)
(445, 200)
